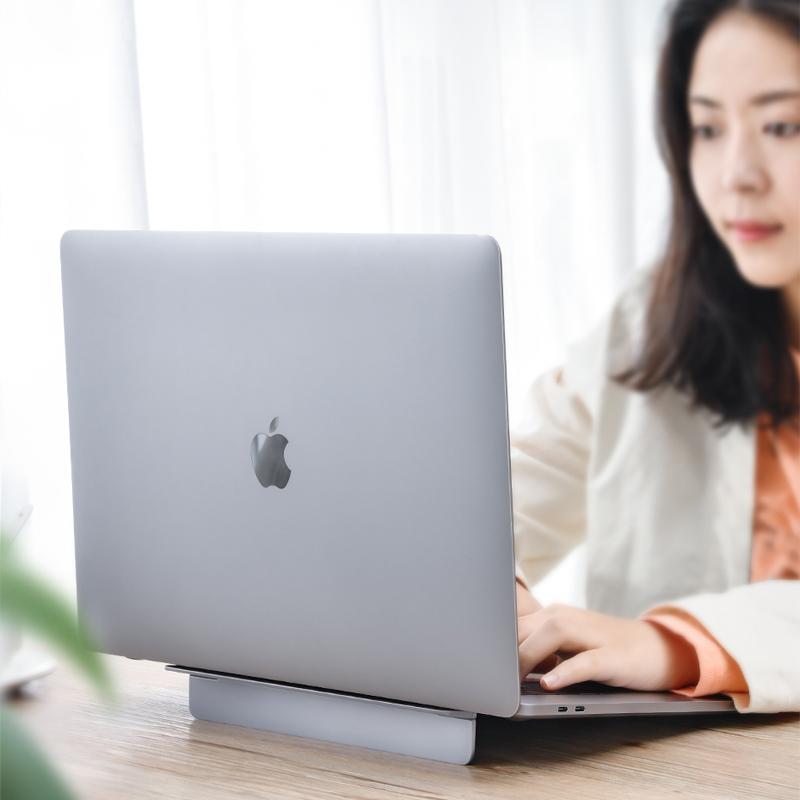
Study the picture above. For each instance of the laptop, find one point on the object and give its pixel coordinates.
(290, 462)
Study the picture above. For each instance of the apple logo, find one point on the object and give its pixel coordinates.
(266, 453)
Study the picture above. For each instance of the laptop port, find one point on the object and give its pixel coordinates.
(580, 708)
(562, 708)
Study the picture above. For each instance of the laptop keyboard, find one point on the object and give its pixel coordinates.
(586, 687)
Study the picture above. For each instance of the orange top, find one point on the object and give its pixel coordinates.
(775, 552)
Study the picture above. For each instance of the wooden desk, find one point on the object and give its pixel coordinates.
(150, 747)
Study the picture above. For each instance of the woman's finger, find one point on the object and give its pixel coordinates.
(586, 666)
(525, 625)
(555, 629)
(550, 663)
(544, 639)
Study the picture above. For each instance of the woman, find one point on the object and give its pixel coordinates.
(669, 439)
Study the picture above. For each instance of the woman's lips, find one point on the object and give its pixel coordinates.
(752, 231)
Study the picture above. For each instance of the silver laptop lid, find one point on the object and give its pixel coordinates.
(375, 366)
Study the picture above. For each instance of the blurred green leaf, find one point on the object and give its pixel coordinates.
(25, 599)
(24, 771)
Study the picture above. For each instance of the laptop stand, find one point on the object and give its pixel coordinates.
(396, 727)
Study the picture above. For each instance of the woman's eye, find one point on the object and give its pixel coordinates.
(783, 130)
(703, 131)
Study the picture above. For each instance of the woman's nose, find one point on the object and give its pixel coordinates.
(744, 171)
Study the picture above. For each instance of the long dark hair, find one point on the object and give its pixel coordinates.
(709, 332)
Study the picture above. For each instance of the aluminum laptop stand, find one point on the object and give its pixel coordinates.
(411, 730)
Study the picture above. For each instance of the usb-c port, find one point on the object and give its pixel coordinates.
(579, 708)
(562, 708)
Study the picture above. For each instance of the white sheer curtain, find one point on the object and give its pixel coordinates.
(70, 156)
(526, 119)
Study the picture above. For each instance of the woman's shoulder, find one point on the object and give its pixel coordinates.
(626, 321)
(612, 344)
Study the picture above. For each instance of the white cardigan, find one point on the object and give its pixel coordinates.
(663, 499)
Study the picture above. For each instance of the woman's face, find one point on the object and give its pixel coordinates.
(744, 107)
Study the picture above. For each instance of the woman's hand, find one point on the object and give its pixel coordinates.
(598, 647)
(528, 604)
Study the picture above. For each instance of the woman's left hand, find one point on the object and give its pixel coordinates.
(620, 652)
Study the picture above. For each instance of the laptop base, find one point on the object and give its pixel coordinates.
(589, 699)
(404, 728)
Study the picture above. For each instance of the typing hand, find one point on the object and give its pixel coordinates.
(598, 647)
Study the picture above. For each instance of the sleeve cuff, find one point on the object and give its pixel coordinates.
(718, 670)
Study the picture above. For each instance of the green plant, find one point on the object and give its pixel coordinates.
(28, 602)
